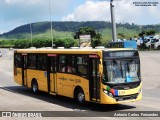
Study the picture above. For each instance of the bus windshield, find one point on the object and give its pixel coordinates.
(121, 71)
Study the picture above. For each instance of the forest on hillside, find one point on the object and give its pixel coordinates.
(70, 26)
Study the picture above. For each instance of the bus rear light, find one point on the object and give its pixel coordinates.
(15, 71)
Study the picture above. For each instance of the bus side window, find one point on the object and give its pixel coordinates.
(71, 64)
(42, 62)
(82, 65)
(62, 63)
(82, 69)
(32, 61)
(62, 68)
(74, 64)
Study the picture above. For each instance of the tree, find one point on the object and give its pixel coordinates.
(141, 34)
(95, 37)
(121, 35)
(150, 32)
(97, 40)
(85, 31)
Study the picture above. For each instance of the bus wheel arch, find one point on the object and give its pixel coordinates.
(34, 86)
(79, 95)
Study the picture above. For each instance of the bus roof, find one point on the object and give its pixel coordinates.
(69, 51)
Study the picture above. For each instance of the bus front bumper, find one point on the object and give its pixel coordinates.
(106, 99)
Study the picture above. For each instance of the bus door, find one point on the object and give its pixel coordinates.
(24, 69)
(94, 78)
(51, 73)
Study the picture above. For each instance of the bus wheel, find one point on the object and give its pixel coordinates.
(80, 97)
(34, 86)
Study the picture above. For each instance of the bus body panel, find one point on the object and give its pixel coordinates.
(40, 77)
(18, 76)
(65, 83)
(122, 93)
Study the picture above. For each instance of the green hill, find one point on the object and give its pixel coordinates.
(66, 29)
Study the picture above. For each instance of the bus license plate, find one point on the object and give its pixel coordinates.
(121, 92)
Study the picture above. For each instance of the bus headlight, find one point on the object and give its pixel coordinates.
(108, 93)
(105, 91)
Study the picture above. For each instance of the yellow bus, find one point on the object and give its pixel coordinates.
(104, 76)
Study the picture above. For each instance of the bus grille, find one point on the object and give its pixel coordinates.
(126, 86)
(127, 97)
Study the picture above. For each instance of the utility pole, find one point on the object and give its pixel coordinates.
(51, 24)
(30, 25)
(31, 34)
(114, 34)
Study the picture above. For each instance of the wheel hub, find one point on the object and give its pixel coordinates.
(80, 97)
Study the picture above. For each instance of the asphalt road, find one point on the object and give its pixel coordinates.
(17, 98)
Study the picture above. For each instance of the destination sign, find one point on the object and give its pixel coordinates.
(119, 54)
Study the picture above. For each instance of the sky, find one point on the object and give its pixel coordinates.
(14, 13)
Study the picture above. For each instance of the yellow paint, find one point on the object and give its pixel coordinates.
(65, 84)
(18, 77)
(40, 77)
(105, 99)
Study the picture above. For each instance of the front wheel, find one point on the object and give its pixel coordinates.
(35, 87)
(80, 97)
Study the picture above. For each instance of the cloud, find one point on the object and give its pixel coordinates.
(18, 12)
(89, 11)
(124, 11)
(14, 13)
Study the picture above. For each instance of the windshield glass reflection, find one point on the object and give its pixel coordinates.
(121, 71)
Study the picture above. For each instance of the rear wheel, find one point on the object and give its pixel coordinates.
(79, 96)
(35, 87)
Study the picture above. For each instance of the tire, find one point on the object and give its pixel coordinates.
(35, 87)
(80, 97)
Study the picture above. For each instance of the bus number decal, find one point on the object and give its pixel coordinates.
(71, 79)
(121, 92)
(77, 80)
(63, 78)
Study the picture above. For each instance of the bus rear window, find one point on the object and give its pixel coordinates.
(18, 61)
